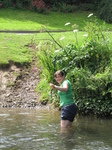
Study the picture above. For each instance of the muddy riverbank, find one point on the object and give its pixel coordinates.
(18, 86)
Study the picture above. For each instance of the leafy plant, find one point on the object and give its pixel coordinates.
(105, 10)
(88, 67)
(67, 8)
(87, 6)
(43, 88)
(1, 4)
(39, 6)
(7, 3)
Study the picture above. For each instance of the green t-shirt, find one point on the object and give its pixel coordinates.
(66, 98)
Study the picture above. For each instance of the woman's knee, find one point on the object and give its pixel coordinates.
(65, 123)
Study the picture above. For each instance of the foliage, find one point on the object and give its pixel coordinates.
(47, 95)
(88, 67)
(87, 6)
(86, 64)
(19, 4)
(49, 67)
(41, 88)
(6, 3)
(67, 8)
(39, 6)
(64, 7)
(44, 6)
(1, 5)
(105, 10)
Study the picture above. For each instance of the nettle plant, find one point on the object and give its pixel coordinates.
(39, 6)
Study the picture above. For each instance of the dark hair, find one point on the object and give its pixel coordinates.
(59, 72)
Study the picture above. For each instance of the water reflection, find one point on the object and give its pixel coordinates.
(25, 129)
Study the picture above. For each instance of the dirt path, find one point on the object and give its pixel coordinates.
(17, 86)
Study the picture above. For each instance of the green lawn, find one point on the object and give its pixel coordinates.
(12, 19)
(13, 46)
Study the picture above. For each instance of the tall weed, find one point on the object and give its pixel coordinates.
(47, 59)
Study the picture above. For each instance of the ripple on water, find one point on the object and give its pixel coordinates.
(24, 113)
(40, 139)
(40, 130)
(4, 115)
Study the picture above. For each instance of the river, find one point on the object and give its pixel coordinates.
(39, 129)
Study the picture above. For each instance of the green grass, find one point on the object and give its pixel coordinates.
(12, 19)
(13, 46)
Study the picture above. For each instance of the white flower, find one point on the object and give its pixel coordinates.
(85, 35)
(56, 51)
(62, 38)
(75, 31)
(66, 24)
(90, 15)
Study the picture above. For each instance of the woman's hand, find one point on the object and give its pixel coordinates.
(52, 85)
(62, 89)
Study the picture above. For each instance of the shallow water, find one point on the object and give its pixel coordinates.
(30, 129)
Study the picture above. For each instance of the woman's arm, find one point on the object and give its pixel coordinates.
(62, 89)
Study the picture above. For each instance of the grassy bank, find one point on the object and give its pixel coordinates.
(17, 47)
(20, 48)
(12, 19)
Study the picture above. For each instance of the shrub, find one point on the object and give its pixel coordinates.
(105, 10)
(87, 6)
(16, 3)
(64, 7)
(7, 3)
(88, 67)
(67, 8)
(0, 5)
(39, 6)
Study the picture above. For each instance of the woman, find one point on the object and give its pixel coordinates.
(68, 107)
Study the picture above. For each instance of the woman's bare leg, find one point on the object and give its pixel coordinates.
(65, 123)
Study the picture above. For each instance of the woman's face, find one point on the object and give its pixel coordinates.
(59, 78)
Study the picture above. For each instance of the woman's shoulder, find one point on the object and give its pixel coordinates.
(67, 81)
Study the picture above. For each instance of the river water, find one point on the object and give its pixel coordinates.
(39, 129)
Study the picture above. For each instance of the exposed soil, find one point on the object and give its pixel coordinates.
(18, 86)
